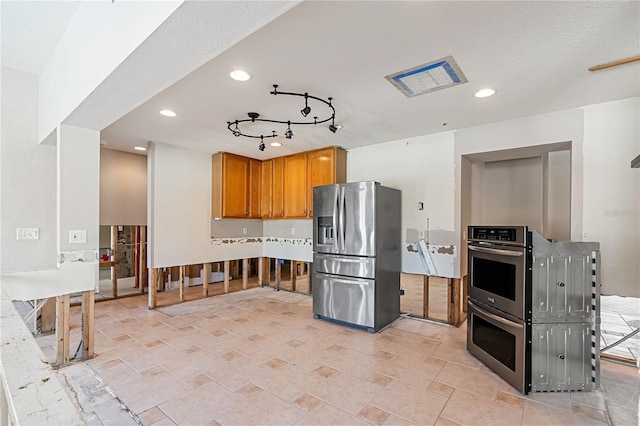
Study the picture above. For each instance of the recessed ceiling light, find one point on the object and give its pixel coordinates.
(168, 113)
(140, 148)
(485, 93)
(275, 143)
(239, 75)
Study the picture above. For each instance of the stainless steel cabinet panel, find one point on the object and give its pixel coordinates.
(562, 286)
(561, 357)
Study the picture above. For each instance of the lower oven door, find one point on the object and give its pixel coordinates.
(497, 277)
(500, 343)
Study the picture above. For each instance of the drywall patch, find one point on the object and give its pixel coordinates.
(222, 241)
(450, 250)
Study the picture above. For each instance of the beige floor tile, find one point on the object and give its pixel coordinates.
(373, 415)
(469, 379)
(406, 401)
(262, 408)
(622, 416)
(143, 394)
(536, 414)
(327, 414)
(397, 421)
(151, 416)
(201, 405)
(417, 373)
(288, 382)
(307, 402)
(346, 392)
(467, 408)
(441, 388)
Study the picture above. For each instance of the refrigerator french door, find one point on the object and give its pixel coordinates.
(357, 254)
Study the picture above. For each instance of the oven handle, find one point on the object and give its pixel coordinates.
(496, 251)
(495, 317)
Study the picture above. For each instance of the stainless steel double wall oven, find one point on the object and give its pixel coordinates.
(533, 308)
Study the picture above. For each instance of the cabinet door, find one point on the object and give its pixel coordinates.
(277, 189)
(235, 186)
(266, 185)
(295, 186)
(321, 172)
(255, 170)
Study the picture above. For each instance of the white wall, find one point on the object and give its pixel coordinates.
(512, 192)
(28, 170)
(78, 186)
(423, 169)
(123, 188)
(612, 192)
(179, 211)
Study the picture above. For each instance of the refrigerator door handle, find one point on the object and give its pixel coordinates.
(336, 208)
(342, 220)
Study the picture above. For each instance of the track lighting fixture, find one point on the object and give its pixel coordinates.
(306, 110)
(234, 126)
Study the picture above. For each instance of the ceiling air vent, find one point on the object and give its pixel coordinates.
(429, 77)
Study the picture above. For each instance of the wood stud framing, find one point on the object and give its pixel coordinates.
(245, 273)
(114, 259)
(205, 279)
(62, 329)
(88, 315)
(227, 271)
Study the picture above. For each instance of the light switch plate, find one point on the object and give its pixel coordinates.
(77, 236)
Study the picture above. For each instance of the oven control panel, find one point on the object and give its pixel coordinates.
(503, 234)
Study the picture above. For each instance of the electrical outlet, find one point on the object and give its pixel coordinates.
(27, 233)
(244, 230)
(293, 231)
(77, 236)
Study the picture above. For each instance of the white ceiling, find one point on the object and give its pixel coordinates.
(535, 54)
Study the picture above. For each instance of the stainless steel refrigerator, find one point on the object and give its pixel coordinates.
(357, 254)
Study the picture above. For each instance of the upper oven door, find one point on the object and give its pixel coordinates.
(497, 276)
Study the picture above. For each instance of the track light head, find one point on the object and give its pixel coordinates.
(261, 146)
(306, 110)
(288, 133)
(333, 128)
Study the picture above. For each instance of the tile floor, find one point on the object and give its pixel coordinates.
(619, 317)
(258, 357)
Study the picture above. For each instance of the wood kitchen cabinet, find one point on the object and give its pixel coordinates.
(235, 186)
(279, 188)
(325, 166)
(306, 170)
(295, 186)
(272, 188)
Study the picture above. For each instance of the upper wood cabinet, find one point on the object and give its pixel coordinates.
(272, 190)
(325, 166)
(278, 188)
(295, 186)
(235, 186)
(309, 169)
(255, 182)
